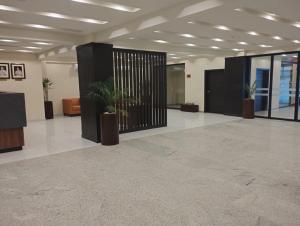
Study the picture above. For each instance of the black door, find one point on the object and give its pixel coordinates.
(214, 91)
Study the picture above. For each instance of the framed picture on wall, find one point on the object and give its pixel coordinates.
(18, 71)
(4, 71)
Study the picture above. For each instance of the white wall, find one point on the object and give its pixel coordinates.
(66, 85)
(31, 86)
(194, 86)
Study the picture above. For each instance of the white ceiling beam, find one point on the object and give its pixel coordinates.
(28, 35)
(180, 11)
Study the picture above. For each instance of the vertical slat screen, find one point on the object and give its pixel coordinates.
(141, 75)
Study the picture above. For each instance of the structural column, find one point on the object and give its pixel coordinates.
(95, 63)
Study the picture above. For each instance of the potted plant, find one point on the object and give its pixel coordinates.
(249, 111)
(104, 93)
(48, 84)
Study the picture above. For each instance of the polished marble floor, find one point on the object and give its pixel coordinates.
(283, 113)
(63, 134)
(235, 173)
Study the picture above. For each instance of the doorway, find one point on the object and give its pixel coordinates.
(175, 85)
(214, 91)
(277, 85)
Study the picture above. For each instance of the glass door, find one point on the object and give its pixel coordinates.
(260, 73)
(284, 86)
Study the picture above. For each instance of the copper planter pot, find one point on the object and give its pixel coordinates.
(109, 129)
(248, 111)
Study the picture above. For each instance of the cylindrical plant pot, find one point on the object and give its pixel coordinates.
(248, 111)
(48, 109)
(109, 129)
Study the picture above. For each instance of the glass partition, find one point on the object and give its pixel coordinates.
(175, 85)
(260, 73)
(284, 86)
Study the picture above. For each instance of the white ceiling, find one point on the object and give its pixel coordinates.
(170, 17)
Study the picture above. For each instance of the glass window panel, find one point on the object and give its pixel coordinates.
(284, 86)
(260, 73)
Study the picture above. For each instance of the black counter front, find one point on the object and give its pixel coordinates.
(12, 121)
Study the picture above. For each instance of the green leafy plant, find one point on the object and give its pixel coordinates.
(106, 94)
(250, 90)
(47, 84)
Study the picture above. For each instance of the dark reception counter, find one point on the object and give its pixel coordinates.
(12, 121)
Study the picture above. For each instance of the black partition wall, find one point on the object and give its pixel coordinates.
(140, 75)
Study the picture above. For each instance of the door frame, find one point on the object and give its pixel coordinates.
(206, 74)
(297, 99)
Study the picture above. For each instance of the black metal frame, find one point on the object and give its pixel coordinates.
(142, 75)
(272, 55)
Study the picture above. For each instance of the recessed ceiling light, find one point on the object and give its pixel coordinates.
(222, 27)
(243, 43)
(39, 26)
(190, 44)
(269, 16)
(192, 55)
(265, 46)
(277, 38)
(218, 40)
(92, 21)
(109, 5)
(238, 9)
(161, 41)
(9, 8)
(157, 31)
(191, 22)
(175, 57)
(54, 15)
(237, 50)
(2, 49)
(215, 47)
(131, 38)
(171, 54)
(24, 51)
(8, 40)
(295, 56)
(43, 43)
(284, 55)
(297, 24)
(296, 41)
(32, 47)
(253, 33)
(187, 35)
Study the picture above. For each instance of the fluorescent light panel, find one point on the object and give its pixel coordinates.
(9, 8)
(253, 33)
(265, 46)
(32, 47)
(218, 40)
(269, 16)
(222, 27)
(24, 51)
(277, 38)
(39, 26)
(161, 41)
(61, 16)
(190, 44)
(243, 43)
(187, 35)
(110, 5)
(8, 40)
(296, 41)
(215, 47)
(43, 43)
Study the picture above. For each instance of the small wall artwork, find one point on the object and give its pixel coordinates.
(4, 71)
(18, 71)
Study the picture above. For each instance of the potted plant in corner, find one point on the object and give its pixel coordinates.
(47, 84)
(104, 93)
(249, 108)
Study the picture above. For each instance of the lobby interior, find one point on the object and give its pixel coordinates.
(184, 151)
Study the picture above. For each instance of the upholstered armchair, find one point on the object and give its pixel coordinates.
(71, 107)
